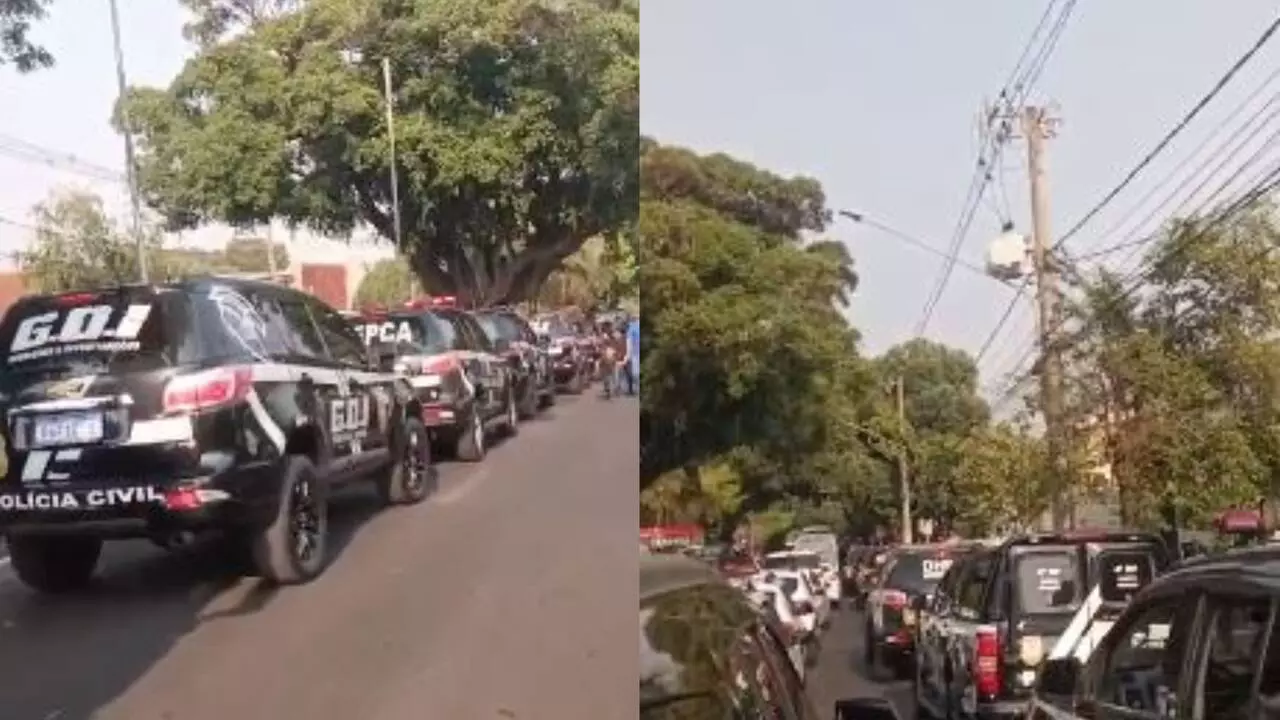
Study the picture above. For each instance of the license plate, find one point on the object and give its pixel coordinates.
(67, 429)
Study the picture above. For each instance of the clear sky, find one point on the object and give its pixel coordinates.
(67, 110)
(878, 100)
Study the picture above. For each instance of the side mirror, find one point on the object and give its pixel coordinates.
(866, 709)
(502, 345)
(1059, 676)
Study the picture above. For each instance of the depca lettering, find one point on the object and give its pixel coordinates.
(108, 497)
(388, 333)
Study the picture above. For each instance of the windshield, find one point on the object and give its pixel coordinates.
(420, 334)
(112, 331)
(499, 327)
(805, 561)
(553, 327)
(918, 572)
(825, 546)
(1048, 582)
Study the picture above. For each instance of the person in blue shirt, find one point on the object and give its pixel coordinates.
(633, 356)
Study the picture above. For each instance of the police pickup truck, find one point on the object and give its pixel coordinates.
(1000, 612)
(162, 411)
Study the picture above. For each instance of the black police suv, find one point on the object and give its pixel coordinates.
(465, 388)
(570, 363)
(1003, 611)
(1202, 641)
(911, 572)
(212, 404)
(514, 339)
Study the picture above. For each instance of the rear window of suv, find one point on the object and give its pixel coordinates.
(1049, 581)
(918, 572)
(110, 331)
(1122, 573)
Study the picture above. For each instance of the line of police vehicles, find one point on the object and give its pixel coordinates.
(1060, 626)
(236, 407)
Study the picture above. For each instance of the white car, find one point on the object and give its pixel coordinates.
(823, 579)
(798, 588)
(799, 630)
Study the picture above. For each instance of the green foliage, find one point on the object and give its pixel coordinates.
(751, 370)
(388, 283)
(1179, 382)
(77, 246)
(516, 139)
(16, 46)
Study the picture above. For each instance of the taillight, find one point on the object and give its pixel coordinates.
(208, 389)
(895, 599)
(439, 364)
(74, 299)
(986, 662)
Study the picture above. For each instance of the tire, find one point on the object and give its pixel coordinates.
(530, 404)
(922, 712)
(276, 552)
(54, 564)
(470, 445)
(579, 382)
(402, 485)
(511, 424)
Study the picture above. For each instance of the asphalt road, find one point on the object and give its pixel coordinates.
(840, 672)
(509, 594)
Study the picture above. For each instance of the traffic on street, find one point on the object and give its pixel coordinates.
(493, 598)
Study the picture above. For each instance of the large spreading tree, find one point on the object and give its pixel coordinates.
(516, 129)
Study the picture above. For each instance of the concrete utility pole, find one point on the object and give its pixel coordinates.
(130, 159)
(904, 471)
(1037, 126)
(271, 250)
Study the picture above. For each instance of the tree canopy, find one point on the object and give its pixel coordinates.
(757, 402)
(516, 129)
(1174, 372)
(16, 46)
(78, 246)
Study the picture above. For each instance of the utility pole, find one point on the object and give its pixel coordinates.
(130, 157)
(1037, 127)
(904, 471)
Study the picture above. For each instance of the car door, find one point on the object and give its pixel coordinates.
(934, 622)
(1231, 661)
(491, 369)
(321, 379)
(964, 618)
(365, 414)
(1143, 668)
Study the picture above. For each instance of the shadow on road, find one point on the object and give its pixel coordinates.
(66, 657)
(842, 672)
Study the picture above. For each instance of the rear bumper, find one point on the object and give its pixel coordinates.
(441, 415)
(1001, 710)
(243, 496)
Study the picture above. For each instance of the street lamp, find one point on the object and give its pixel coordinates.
(131, 167)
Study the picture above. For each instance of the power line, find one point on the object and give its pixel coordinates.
(1262, 187)
(982, 172)
(1177, 129)
(1129, 242)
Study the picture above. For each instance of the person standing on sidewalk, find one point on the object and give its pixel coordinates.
(633, 356)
